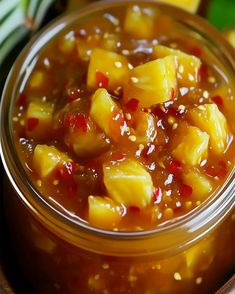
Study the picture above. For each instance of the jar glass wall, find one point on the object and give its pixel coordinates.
(60, 254)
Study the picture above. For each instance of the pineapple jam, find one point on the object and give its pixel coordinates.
(124, 123)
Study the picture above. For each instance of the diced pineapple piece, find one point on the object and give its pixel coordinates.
(193, 146)
(110, 42)
(106, 113)
(139, 21)
(200, 255)
(200, 184)
(153, 82)
(87, 143)
(189, 5)
(104, 212)
(128, 183)
(39, 118)
(210, 119)
(145, 130)
(188, 65)
(114, 66)
(37, 79)
(47, 158)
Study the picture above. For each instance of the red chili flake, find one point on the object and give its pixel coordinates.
(148, 150)
(172, 95)
(102, 81)
(73, 94)
(118, 156)
(134, 209)
(157, 195)
(175, 112)
(203, 71)
(132, 105)
(218, 100)
(71, 167)
(32, 123)
(196, 51)
(185, 190)
(219, 171)
(175, 166)
(117, 121)
(21, 100)
(77, 121)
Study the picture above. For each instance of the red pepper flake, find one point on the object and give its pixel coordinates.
(157, 195)
(196, 51)
(220, 171)
(172, 95)
(148, 150)
(175, 166)
(185, 190)
(203, 71)
(132, 105)
(21, 100)
(77, 121)
(102, 81)
(32, 123)
(217, 99)
(117, 156)
(134, 209)
(73, 94)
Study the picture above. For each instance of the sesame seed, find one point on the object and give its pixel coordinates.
(105, 266)
(117, 29)
(201, 107)
(115, 229)
(183, 91)
(198, 202)
(177, 276)
(191, 77)
(96, 277)
(200, 100)
(188, 204)
(198, 280)
(132, 138)
(141, 147)
(55, 182)
(206, 94)
(125, 52)
(22, 122)
(132, 279)
(39, 183)
(118, 64)
(233, 217)
(181, 69)
(127, 129)
(175, 126)
(171, 120)
(168, 213)
(182, 107)
(44, 98)
(130, 66)
(211, 79)
(15, 119)
(158, 266)
(173, 45)
(128, 116)
(134, 80)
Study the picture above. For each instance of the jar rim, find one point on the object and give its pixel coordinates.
(211, 208)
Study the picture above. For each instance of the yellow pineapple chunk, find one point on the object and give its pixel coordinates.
(145, 130)
(200, 184)
(128, 183)
(47, 158)
(189, 5)
(230, 36)
(104, 212)
(139, 22)
(37, 79)
(38, 118)
(192, 147)
(153, 82)
(114, 66)
(106, 113)
(87, 143)
(210, 119)
(188, 65)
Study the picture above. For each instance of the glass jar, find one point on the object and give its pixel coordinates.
(60, 255)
